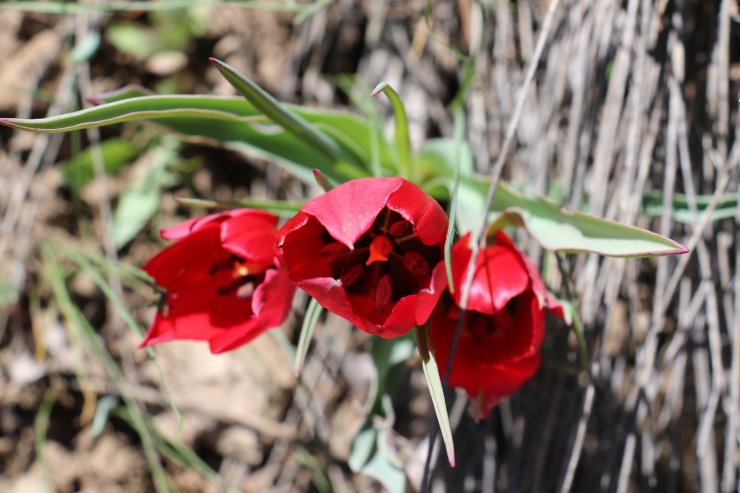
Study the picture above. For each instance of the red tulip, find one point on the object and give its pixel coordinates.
(371, 251)
(503, 328)
(221, 282)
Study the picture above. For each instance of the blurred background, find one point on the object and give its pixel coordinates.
(632, 114)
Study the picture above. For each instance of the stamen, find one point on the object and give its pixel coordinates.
(380, 248)
(399, 228)
(414, 262)
(242, 268)
(383, 292)
(351, 275)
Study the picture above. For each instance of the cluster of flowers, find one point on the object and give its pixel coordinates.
(371, 251)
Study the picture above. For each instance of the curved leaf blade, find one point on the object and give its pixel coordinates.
(313, 313)
(278, 113)
(230, 121)
(403, 142)
(562, 230)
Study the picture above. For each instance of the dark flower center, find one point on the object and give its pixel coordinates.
(482, 327)
(387, 263)
(239, 277)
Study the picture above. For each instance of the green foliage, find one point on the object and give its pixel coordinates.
(297, 138)
(313, 313)
(681, 207)
(78, 171)
(402, 141)
(139, 202)
(372, 454)
(436, 391)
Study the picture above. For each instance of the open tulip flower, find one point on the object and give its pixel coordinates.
(504, 325)
(221, 281)
(370, 250)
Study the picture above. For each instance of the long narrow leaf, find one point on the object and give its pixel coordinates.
(728, 206)
(277, 207)
(304, 340)
(279, 113)
(229, 121)
(459, 130)
(434, 383)
(403, 142)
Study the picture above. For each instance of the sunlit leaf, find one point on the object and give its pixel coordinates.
(79, 170)
(278, 113)
(370, 455)
(561, 230)
(140, 200)
(459, 145)
(434, 383)
(403, 143)
(229, 121)
(133, 39)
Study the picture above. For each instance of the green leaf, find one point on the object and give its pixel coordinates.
(322, 180)
(459, 145)
(442, 158)
(370, 456)
(434, 383)
(78, 171)
(133, 39)
(403, 143)
(363, 447)
(555, 228)
(728, 207)
(277, 207)
(278, 113)
(229, 121)
(313, 312)
(102, 410)
(561, 230)
(140, 200)
(86, 48)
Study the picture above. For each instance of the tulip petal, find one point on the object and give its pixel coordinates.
(424, 213)
(187, 262)
(500, 275)
(192, 225)
(226, 340)
(272, 299)
(350, 209)
(250, 234)
(505, 380)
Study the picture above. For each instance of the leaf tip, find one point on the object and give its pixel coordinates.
(680, 250)
(378, 89)
(451, 455)
(221, 66)
(321, 180)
